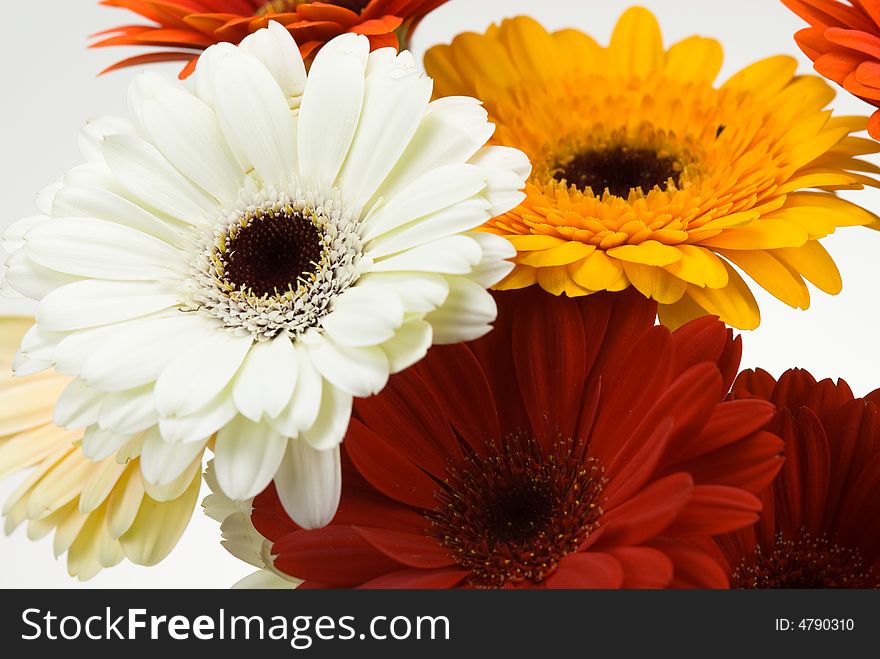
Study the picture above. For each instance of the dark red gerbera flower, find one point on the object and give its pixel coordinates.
(821, 522)
(190, 26)
(577, 445)
(843, 41)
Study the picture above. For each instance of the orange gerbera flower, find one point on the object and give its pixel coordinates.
(843, 41)
(190, 26)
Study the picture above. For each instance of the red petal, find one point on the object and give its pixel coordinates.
(418, 579)
(730, 421)
(387, 468)
(857, 40)
(334, 555)
(802, 486)
(648, 513)
(458, 383)
(643, 567)
(756, 383)
(147, 58)
(715, 509)
(417, 551)
(694, 568)
(587, 570)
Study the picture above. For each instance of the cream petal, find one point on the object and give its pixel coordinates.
(254, 116)
(304, 406)
(195, 377)
(364, 315)
(162, 462)
(204, 422)
(278, 52)
(332, 422)
(455, 255)
(331, 107)
(127, 412)
(466, 315)
(418, 292)
(494, 266)
(246, 457)
(309, 484)
(359, 371)
(395, 100)
(148, 175)
(105, 476)
(267, 378)
(91, 302)
(30, 279)
(78, 406)
(409, 345)
(98, 444)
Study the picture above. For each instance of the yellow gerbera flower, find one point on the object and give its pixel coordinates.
(648, 175)
(101, 510)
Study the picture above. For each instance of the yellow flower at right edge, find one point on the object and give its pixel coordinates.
(646, 174)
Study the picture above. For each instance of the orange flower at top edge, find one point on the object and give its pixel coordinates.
(187, 27)
(843, 41)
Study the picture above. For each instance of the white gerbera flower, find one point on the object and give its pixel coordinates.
(250, 251)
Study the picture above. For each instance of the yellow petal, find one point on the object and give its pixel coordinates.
(60, 486)
(699, 266)
(521, 277)
(485, 61)
(582, 52)
(33, 446)
(125, 501)
(772, 275)
(840, 212)
(762, 234)
(695, 59)
(68, 529)
(560, 255)
(448, 80)
(159, 525)
(636, 48)
(765, 78)
(554, 280)
(655, 283)
(649, 252)
(532, 50)
(105, 476)
(814, 263)
(599, 272)
(734, 304)
(680, 313)
(534, 242)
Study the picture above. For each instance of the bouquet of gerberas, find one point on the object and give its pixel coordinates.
(283, 260)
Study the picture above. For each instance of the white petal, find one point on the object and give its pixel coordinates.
(395, 100)
(276, 49)
(507, 171)
(462, 217)
(102, 204)
(101, 250)
(188, 134)
(204, 422)
(137, 352)
(98, 444)
(162, 462)
(364, 315)
(453, 130)
(332, 423)
(409, 345)
(93, 133)
(13, 235)
(91, 302)
(39, 344)
(127, 412)
(194, 378)
(466, 315)
(148, 175)
(246, 457)
(359, 371)
(305, 404)
(309, 484)
(456, 255)
(438, 189)
(418, 292)
(254, 116)
(267, 378)
(495, 265)
(46, 198)
(331, 106)
(75, 349)
(202, 79)
(31, 279)
(78, 406)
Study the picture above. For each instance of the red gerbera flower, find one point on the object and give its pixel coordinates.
(843, 41)
(821, 522)
(577, 445)
(190, 26)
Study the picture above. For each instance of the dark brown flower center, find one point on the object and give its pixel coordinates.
(271, 252)
(512, 514)
(619, 169)
(281, 6)
(804, 562)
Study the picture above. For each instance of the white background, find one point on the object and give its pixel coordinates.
(49, 89)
